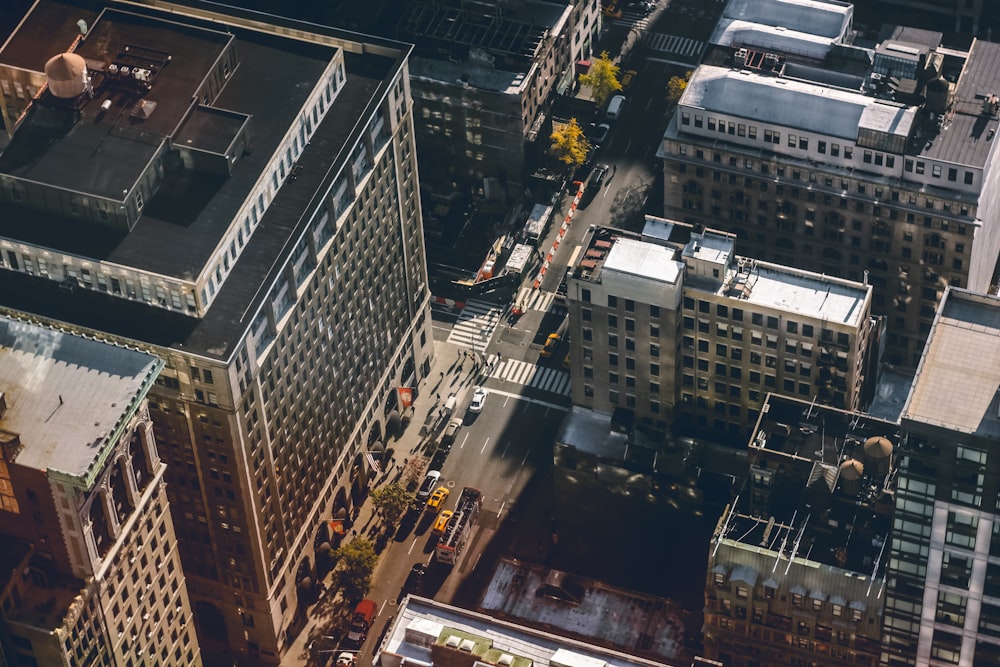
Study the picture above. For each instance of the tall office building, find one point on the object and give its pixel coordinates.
(796, 566)
(943, 596)
(673, 326)
(238, 194)
(810, 163)
(90, 573)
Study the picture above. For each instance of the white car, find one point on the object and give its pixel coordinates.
(479, 395)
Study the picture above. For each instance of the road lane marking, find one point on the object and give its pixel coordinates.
(525, 459)
(484, 446)
(412, 544)
(526, 400)
(506, 447)
(463, 441)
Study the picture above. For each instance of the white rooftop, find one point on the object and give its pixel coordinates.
(957, 385)
(770, 39)
(711, 247)
(826, 18)
(812, 295)
(66, 394)
(793, 104)
(639, 258)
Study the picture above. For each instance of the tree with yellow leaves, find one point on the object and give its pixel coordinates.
(602, 79)
(675, 88)
(569, 144)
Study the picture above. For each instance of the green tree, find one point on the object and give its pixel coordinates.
(391, 501)
(675, 88)
(356, 562)
(602, 79)
(570, 145)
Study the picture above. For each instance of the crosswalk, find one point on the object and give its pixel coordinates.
(635, 18)
(475, 325)
(684, 47)
(528, 374)
(534, 299)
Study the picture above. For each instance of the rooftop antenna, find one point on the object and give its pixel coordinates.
(877, 561)
(809, 412)
(798, 539)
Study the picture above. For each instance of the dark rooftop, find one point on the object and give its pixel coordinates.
(832, 480)
(187, 218)
(52, 145)
(966, 136)
(272, 81)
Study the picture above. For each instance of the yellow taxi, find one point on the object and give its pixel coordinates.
(437, 499)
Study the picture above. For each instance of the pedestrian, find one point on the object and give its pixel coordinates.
(437, 398)
(442, 375)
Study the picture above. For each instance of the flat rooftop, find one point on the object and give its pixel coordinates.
(66, 394)
(812, 295)
(477, 75)
(800, 27)
(957, 385)
(794, 104)
(434, 621)
(825, 18)
(812, 451)
(52, 145)
(182, 226)
(627, 620)
(647, 260)
(513, 35)
(968, 138)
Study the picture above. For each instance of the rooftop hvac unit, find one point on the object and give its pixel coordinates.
(740, 58)
(770, 59)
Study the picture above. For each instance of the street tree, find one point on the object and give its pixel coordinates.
(602, 79)
(675, 88)
(570, 145)
(355, 564)
(413, 471)
(391, 501)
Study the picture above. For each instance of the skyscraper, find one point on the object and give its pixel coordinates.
(91, 570)
(238, 194)
(943, 595)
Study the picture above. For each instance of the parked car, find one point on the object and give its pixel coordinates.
(600, 133)
(414, 579)
(435, 502)
(361, 622)
(451, 431)
(428, 485)
(615, 107)
(478, 398)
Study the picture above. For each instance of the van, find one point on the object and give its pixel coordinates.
(441, 523)
(361, 622)
(450, 403)
(615, 107)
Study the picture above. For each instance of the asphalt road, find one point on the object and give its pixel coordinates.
(497, 451)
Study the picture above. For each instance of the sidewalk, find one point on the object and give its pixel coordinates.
(451, 372)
